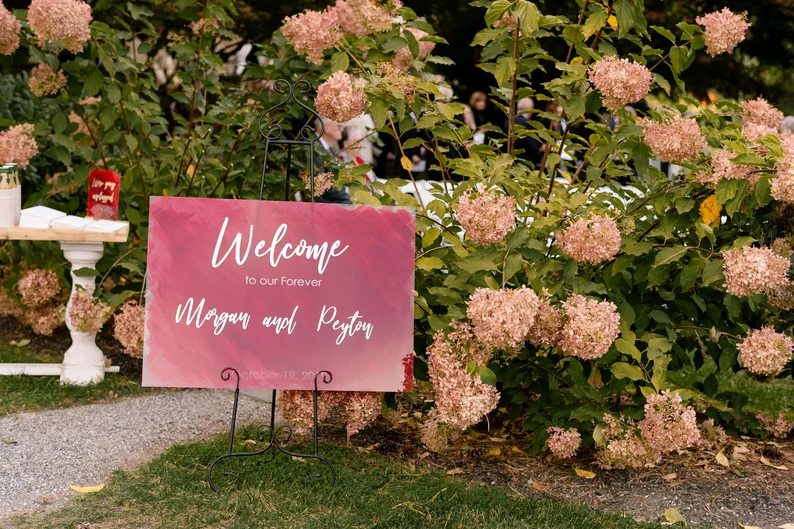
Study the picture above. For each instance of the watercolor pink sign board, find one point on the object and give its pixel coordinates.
(279, 291)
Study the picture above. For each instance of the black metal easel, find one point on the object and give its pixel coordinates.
(306, 137)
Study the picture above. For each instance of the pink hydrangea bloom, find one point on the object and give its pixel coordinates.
(44, 319)
(760, 112)
(590, 327)
(723, 30)
(668, 425)
(678, 141)
(297, 407)
(322, 183)
(9, 31)
(359, 409)
(754, 132)
(362, 17)
(502, 318)
(38, 287)
(765, 352)
(488, 217)
(592, 240)
(396, 80)
(341, 98)
(724, 169)
(17, 145)
(563, 443)
(66, 21)
(778, 426)
(87, 314)
(460, 342)
(783, 297)
(546, 329)
(45, 82)
(403, 58)
(711, 435)
(783, 186)
(620, 81)
(435, 435)
(313, 32)
(128, 328)
(624, 447)
(751, 271)
(782, 247)
(462, 400)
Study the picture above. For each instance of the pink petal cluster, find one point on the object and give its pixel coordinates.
(678, 141)
(17, 145)
(313, 32)
(488, 217)
(403, 58)
(45, 82)
(712, 436)
(44, 319)
(547, 327)
(87, 314)
(751, 271)
(563, 443)
(341, 98)
(460, 342)
(322, 183)
(82, 126)
(205, 25)
(765, 352)
(462, 399)
(592, 240)
(783, 297)
(778, 426)
(782, 247)
(38, 287)
(623, 445)
(620, 81)
(128, 328)
(9, 31)
(783, 186)
(435, 435)
(502, 318)
(396, 80)
(590, 327)
(725, 169)
(359, 409)
(297, 407)
(363, 17)
(723, 30)
(668, 425)
(66, 21)
(760, 112)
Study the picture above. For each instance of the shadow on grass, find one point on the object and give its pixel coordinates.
(172, 492)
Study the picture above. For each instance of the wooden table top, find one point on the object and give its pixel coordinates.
(52, 234)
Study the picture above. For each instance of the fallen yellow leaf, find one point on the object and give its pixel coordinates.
(673, 516)
(613, 22)
(584, 473)
(749, 526)
(517, 450)
(86, 490)
(406, 163)
(495, 452)
(765, 461)
(786, 526)
(722, 459)
(669, 477)
(248, 442)
(455, 472)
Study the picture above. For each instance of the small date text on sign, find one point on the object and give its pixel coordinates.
(279, 291)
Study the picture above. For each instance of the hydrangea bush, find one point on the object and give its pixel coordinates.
(594, 299)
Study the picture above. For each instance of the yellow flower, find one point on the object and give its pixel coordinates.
(710, 211)
(406, 163)
(577, 60)
(613, 22)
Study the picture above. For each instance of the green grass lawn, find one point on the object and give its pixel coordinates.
(171, 492)
(31, 393)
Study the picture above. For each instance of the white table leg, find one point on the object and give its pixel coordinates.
(83, 362)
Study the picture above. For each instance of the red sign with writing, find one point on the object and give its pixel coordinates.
(103, 194)
(279, 291)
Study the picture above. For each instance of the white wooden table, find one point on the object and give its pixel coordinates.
(84, 362)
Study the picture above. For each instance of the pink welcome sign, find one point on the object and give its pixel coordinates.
(279, 291)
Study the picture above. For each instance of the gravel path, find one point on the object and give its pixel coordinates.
(84, 444)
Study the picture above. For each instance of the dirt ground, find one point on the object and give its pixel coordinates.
(746, 493)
